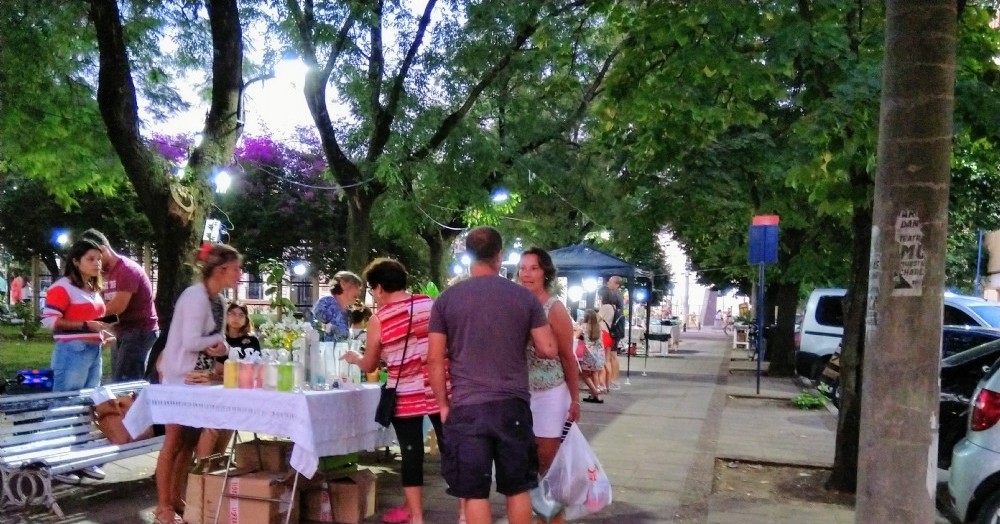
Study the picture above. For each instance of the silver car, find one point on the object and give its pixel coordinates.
(974, 481)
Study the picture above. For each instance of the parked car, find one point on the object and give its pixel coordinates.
(823, 325)
(974, 478)
(956, 377)
(960, 374)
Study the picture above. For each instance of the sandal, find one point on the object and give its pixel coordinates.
(162, 516)
(593, 399)
(396, 516)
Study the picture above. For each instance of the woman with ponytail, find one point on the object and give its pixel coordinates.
(197, 326)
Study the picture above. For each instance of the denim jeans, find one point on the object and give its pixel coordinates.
(76, 365)
(128, 356)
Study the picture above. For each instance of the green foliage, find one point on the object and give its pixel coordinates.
(32, 322)
(273, 272)
(809, 400)
(430, 289)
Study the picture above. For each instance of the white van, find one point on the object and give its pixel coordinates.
(823, 325)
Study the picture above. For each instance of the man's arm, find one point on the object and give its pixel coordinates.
(545, 342)
(118, 303)
(437, 347)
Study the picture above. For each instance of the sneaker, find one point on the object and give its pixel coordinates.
(67, 478)
(615, 386)
(93, 472)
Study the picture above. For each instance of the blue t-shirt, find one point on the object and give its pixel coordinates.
(488, 322)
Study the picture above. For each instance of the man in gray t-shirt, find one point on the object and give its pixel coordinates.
(480, 328)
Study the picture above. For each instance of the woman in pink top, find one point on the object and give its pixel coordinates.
(72, 306)
(399, 326)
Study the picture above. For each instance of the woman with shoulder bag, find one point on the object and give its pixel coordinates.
(397, 334)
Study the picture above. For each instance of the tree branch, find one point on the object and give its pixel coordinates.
(117, 101)
(451, 121)
(376, 66)
(385, 117)
(344, 170)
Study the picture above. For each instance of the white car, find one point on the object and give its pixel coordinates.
(823, 325)
(974, 477)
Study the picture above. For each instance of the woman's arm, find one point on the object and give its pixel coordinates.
(562, 328)
(193, 309)
(373, 349)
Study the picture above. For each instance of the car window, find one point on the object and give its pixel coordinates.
(989, 313)
(972, 354)
(955, 317)
(830, 311)
(955, 341)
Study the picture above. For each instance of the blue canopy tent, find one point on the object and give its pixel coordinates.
(581, 261)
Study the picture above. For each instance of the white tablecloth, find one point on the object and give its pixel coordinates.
(320, 423)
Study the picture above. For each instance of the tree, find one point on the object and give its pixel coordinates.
(434, 83)
(900, 387)
(176, 208)
(31, 217)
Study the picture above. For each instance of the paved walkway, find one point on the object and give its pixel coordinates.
(659, 439)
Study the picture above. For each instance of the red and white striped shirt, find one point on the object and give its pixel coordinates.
(66, 301)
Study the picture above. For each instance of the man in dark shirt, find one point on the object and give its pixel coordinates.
(481, 327)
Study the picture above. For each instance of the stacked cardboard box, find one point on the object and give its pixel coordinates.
(260, 491)
(250, 498)
(345, 500)
(264, 455)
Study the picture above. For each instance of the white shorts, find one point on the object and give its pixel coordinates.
(549, 409)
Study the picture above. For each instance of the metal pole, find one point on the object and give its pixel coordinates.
(979, 263)
(758, 354)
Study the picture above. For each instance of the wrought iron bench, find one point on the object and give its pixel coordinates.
(47, 434)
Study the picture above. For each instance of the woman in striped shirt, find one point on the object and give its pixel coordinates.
(72, 306)
(400, 326)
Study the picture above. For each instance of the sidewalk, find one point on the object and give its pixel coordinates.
(660, 439)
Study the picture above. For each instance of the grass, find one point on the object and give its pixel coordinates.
(34, 353)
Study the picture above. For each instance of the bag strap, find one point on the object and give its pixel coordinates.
(406, 342)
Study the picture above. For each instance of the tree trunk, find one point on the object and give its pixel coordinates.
(780, 345)
(844, 476)
(176, 210)
(897, 474)
(435, 249)
(359, 230)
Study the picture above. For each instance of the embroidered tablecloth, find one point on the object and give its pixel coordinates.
(319, 423)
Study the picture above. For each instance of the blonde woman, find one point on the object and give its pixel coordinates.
(197, 326)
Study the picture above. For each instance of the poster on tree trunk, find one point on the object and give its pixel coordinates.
(908, 280)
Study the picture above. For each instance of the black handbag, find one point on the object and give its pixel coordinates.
(387, 401)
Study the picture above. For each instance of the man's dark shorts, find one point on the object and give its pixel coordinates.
(482, 435)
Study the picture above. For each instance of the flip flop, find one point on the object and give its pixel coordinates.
(593, 400)
(167, 516)
(396, 516)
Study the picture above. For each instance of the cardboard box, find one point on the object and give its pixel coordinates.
(194, 491)
(346, 500)
(264, 455)
(251, 498)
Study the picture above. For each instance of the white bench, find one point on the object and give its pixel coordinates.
(47, 434)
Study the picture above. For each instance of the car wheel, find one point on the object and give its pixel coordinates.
(990, 512)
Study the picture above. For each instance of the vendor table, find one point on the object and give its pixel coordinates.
(319, 423)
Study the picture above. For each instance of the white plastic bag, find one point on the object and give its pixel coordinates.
(576, 479)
